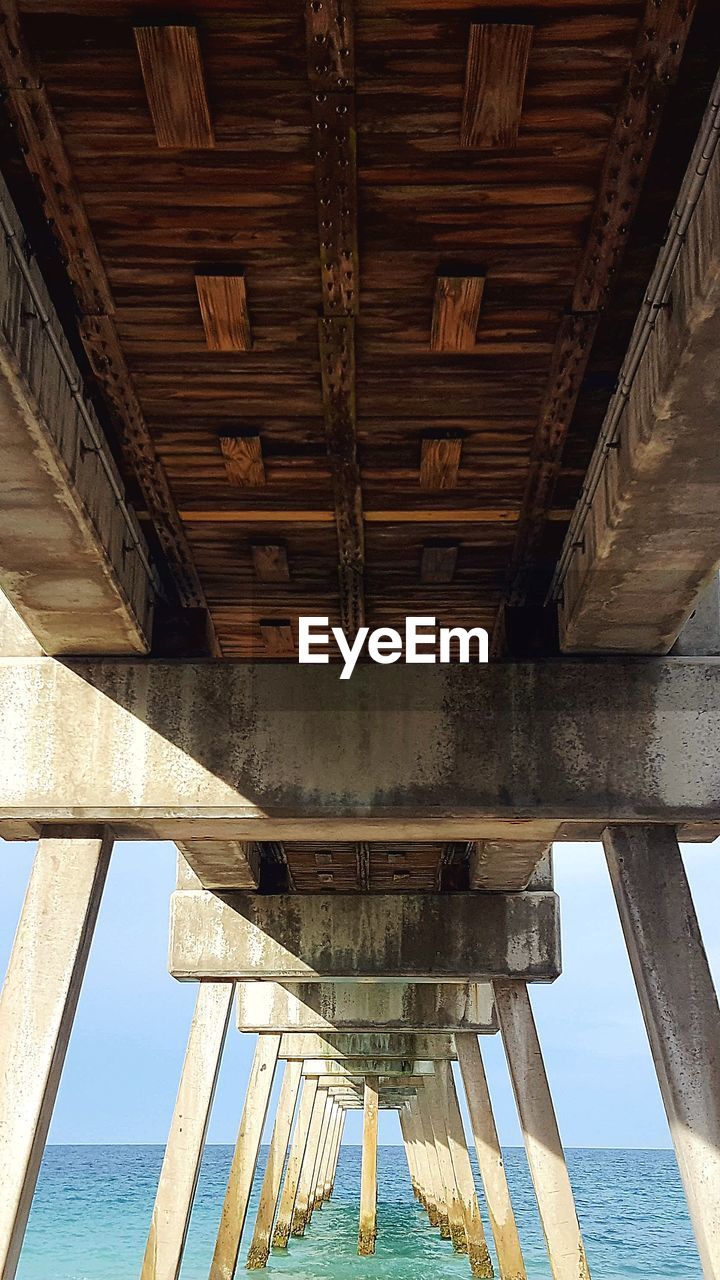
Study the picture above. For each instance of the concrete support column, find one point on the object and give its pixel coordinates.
(479, 1257)
(540, 1132)
(188, 1130)
(260, 1245)
(680, 1008)
(37, 1010)
(338, 1149)
(332, 1155)
(305, 1182)
(424, 1182)
(367, 1233)
(438, 1119)
(283, 1224)
(435, 1183)
(405, 1130)
(244, 1162)
(318, 1195)
(490, 1161)
(319, 1155)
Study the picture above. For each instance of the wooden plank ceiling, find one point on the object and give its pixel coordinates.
(338, 267)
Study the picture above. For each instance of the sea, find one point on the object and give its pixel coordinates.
(92, 1207)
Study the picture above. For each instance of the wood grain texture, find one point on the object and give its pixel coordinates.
(494, 84)
(425, 204)
(224, 311)
(172, 69)
(337, 367)
(330, 38)
(334, 144)
(456, 312)
(243, 460)
(270, 561)
(440, 462)
(277, 634)
(438, 562)
(654, 69)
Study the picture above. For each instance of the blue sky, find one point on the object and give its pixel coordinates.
(125, 1055)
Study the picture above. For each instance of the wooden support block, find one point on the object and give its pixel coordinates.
(438, 562)
(494, 84)
(270, 560)
(223, 306)
(458, 299)
(278, 636)
(172, 69)
(243, 460)
(440, 462)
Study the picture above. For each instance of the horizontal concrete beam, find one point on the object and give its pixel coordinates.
(354, 1069)
(220, 749)
(366, 1006)
(426, 937)
(373, 1045)
(646, 538)
(73, 559)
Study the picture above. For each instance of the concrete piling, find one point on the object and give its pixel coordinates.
(367, 1233)
(37, 1009)
(244, 1161)
(490, 1162)
(283, 1224)
(260, 1244)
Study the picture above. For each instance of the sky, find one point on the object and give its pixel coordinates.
(127, 1047)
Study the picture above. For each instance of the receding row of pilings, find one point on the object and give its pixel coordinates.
(678, 1001)
(314, 1096)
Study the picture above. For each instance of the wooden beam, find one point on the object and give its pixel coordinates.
(337, 366)
(334, 140)
(278, 636)
(172, 68)
(494, 84)
(653, 70)
(362, 855)
(224, 310)
(47, 159)
(458, 299)
(440, 463)
(270, 561)
(438, 562)
(422, 515)
(330, 68)
(330, 48)
(243, 460)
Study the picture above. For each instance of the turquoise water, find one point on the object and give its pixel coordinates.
(92, 1207)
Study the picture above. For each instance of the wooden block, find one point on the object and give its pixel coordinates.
(172, 69)
(278, 636)
(494, 84)
(456, 312)
(440, 462)
(438, 562)
(270, 561)
(223, 306)
(243, 460)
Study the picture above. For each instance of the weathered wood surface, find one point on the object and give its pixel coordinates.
(224, 311)
(458, 299)
(172, 68)
(136, 223)
(494, 84)
(243, 460)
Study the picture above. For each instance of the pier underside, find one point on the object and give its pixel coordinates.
(360, 311)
